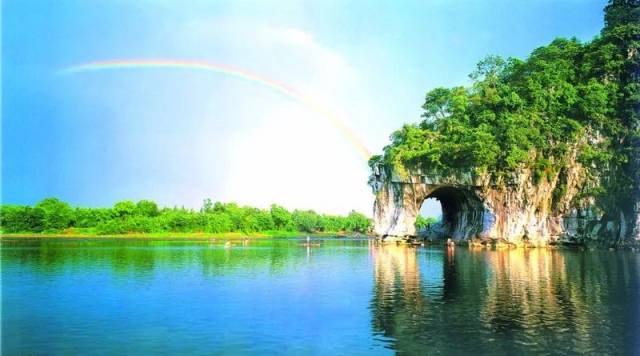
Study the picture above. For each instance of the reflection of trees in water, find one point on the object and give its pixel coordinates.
(423, 299)
(397, 297)
(508, 300)
(567, 298)
(525, 289)
(140, 257)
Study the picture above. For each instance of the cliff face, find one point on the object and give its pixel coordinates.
(517, 209)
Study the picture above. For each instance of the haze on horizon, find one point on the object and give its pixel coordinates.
(179, 136)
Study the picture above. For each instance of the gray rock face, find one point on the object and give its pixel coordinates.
(514, 209)
(398, 203)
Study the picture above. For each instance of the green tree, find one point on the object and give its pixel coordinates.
(111, 227)
(332, 223)
(56, 215)
(207, 206)
(621, 13)
(264, 221)
(91, 217)
(145, 217)
(424, 222)
(124, 208)
(306, 221)
(177, 220)
(357, 222)
(281, 217)
(21, 219)
(437, 104)
(219, 222)
(146, 208)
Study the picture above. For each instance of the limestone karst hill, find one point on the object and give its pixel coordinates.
(535, 150)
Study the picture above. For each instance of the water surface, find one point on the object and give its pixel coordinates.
(88, 296)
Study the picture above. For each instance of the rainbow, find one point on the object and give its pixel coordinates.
(226, 70)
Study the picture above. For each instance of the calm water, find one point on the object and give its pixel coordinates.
(344, 297)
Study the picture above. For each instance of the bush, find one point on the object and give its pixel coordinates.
(111, 227)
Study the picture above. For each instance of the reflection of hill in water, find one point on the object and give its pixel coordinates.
(498, 301)
(465, 300)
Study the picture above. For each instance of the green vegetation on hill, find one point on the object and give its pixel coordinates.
(53, 216)
(532, 113)
(425, 222)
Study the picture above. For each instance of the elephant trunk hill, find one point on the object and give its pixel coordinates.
(533, 151)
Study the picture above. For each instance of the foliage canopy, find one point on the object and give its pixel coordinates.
(144, 216)
(532, 113)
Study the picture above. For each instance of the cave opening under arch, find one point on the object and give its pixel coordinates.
(463, 215)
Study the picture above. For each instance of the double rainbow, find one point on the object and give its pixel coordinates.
(226, 70)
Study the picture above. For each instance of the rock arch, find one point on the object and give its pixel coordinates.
(398, 202)
(464, 216)
(516, 208)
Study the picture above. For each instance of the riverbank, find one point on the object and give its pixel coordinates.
(492, 244)
(86, 233)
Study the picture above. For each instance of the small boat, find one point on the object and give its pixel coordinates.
(309, 243)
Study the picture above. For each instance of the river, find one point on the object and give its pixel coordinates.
(277, 296)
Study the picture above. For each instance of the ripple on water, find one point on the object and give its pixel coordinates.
(343, 297)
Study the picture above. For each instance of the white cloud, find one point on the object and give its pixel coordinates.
(297, 163)
(279, 52)
(289, 154)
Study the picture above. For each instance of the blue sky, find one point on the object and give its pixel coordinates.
(179, 136)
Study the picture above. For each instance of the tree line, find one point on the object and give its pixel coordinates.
(52, 215)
